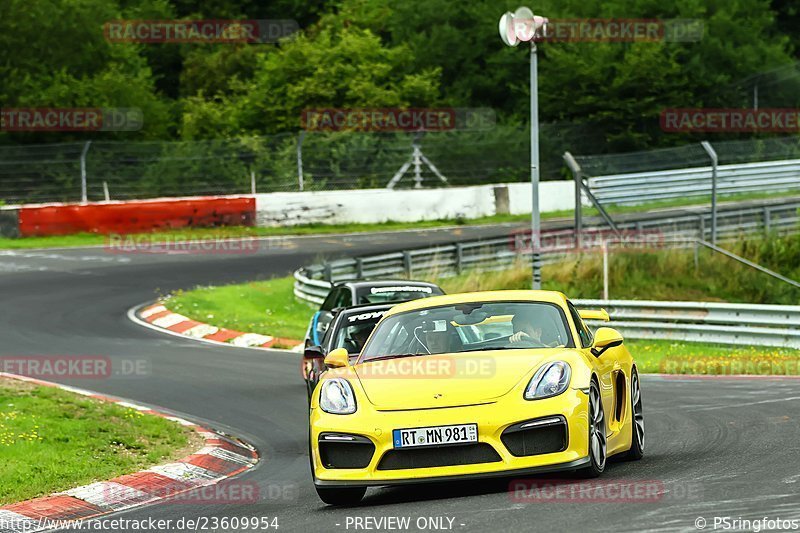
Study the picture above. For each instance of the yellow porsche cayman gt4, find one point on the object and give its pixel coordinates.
(499, 383)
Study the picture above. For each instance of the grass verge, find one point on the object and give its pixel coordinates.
(695, 358)
(93, 239)
(243, 307)
(266, 307)
(269, 307)
(53, 440)
(669, 274)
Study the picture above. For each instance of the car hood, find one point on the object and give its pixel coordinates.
(448, 380)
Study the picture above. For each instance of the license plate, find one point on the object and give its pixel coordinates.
(435, 436)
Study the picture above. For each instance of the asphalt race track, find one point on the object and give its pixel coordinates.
(715, 447)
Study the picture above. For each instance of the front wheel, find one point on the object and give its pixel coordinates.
(340, 495)
(637, 434)
(597, 434)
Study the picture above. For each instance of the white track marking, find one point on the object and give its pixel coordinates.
(136, 320)
(110, 495)
(251, 339)
(169, 320)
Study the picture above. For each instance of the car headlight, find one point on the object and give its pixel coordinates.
(336, 397)
(550, 380)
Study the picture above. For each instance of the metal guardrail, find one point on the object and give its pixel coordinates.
(725, 323)
(640, 187)
(767, 325)
(501, 252)
(776, 218)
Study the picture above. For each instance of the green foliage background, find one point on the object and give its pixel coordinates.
(595, 97)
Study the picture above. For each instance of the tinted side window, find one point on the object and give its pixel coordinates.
(583, 331)
(345, 298)
(330, 300)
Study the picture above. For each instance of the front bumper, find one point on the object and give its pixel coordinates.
(493, 419)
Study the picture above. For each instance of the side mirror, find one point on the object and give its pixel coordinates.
(314, 352)
(591, 314)
(605, 338)
(338, 358)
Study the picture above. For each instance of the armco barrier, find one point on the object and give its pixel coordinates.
(642, 187)
(724, 323)
(744, 324)
(129, 217)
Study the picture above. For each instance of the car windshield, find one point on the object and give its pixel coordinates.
(469, 327)
(398, 293)
(354, 331)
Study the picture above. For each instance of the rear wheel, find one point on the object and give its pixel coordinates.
(637, 435)
(597, 434)
(340, 495)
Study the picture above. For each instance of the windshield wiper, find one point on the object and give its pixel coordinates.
(492, 348)
(394, 356)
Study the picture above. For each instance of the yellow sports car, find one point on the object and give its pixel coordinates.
(500, 383)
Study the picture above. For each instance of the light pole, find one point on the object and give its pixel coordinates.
(523, 25)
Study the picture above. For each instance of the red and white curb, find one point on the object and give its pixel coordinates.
(220, 458)
(158, 316)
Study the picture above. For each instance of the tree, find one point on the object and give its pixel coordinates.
(54, 54)
(332, 66)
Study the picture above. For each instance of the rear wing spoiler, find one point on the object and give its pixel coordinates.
(594, 314)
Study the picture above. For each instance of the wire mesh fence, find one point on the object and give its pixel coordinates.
(317, 161)
(744, 168)
(691, 155)
(312, 161)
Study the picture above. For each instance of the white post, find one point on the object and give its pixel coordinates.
(712, 154)
(253, 182)
(523, 26)
(300, 180)
(417, 166)
(84, 192)
(605, 270)
(535, 217)
(105, 192)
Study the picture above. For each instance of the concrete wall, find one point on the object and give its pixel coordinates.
(135, 216)
(554, 196)
(408, 205)
(283, 209)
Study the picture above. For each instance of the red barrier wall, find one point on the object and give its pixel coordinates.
(137, 216)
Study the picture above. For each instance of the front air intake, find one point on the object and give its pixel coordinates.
(339, 450)
(536, 437)
(469, 454)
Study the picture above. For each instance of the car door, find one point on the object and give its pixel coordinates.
(321, 319)
(339, 297)
(605, 365)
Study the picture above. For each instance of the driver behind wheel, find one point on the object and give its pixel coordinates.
(357, 337)
(437, 342)
(526, 329)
